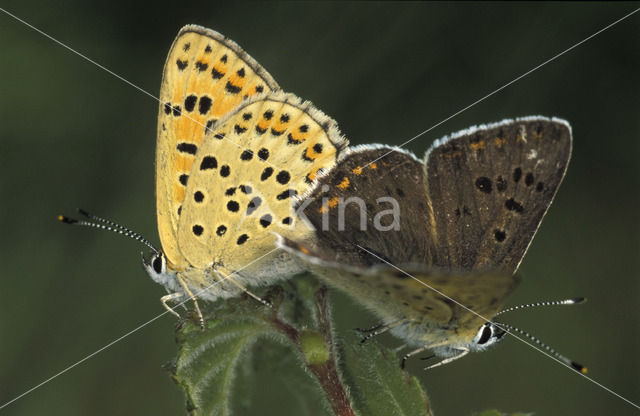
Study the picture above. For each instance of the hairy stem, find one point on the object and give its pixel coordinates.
(326, 371)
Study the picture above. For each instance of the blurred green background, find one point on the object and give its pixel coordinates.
(72, 136)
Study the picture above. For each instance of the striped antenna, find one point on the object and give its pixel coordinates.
(578, 367)
(105, 224)
(574, 301)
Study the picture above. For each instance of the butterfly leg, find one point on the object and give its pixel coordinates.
(380, 329)
(193, 298)
(175, 296)
(462, 353)
(411, 354)
(419, 350)
(241, 287)
(168, 298)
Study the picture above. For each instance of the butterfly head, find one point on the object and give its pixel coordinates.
(157, 268)
(488, 335)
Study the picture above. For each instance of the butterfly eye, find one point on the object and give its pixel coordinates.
(158, 263)
(486, 334)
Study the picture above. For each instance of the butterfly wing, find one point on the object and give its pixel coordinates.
(246, 176)
(376, 198)
(468, 219)
(205, 76)
(490, 186)
(436, 302)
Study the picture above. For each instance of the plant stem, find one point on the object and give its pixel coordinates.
(326, 372)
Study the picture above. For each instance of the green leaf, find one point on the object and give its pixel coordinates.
(249, 354)
(208, 361)
(377, 384)
(275, 379)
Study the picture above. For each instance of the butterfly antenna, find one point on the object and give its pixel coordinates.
(105, 224)
(574, 301)
(578, 367)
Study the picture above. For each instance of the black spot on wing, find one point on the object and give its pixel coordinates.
(268, 171)
(181, 64)
(283, 177)
(517, 174)
(233, 89)
(190, 102)
(210, 123)
(266, 220)
(215, 74)
(291, 140)
(528, 179)
(208, 162)
(189, 148)
(263, 154)
(484, 184)
(204, 105)
(512, 205)
(286, 194)
(201, 66)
